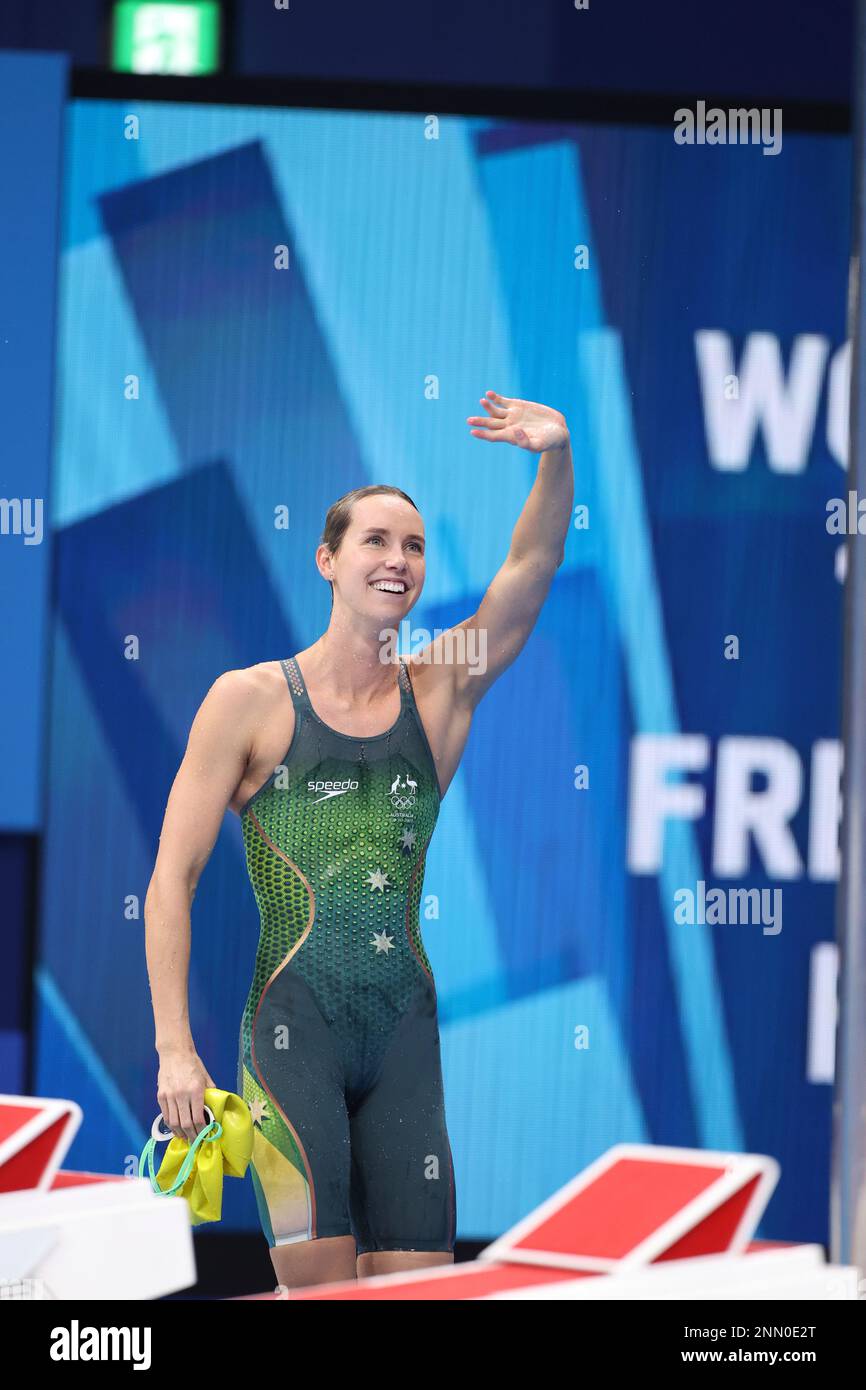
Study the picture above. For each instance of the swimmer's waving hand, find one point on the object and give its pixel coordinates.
(527, 424)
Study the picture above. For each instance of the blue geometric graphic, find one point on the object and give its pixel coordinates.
(263, 309)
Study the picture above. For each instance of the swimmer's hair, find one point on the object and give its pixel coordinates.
(340, 515)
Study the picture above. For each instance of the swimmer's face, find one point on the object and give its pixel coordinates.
(384, 542)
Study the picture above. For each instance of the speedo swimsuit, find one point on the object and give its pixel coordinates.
(339, 1056)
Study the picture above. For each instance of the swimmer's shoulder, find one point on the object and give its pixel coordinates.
(245, 682)
(245, 694)
(257, 715)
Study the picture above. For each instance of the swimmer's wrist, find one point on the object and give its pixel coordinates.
(181, 1045)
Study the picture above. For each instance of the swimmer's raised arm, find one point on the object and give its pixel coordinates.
(212, 767)
(514, 598)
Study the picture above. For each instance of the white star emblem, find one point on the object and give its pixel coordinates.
(377, 879)
(259, 1112)
(407, 840)
(383, 942)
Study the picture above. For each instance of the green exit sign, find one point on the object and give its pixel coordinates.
(181, 38)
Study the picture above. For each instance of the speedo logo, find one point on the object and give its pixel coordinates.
(330, 789)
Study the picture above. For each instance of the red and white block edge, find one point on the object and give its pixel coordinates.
(641, 1222)
(80, 1235)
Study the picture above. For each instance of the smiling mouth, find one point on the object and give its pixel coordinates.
(388, 586)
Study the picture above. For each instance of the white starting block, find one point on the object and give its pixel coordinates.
(68, 1235)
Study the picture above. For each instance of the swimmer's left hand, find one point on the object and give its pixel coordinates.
(524, 423)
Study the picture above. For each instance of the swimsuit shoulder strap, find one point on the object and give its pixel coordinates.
(405, 682)
(295, 681)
